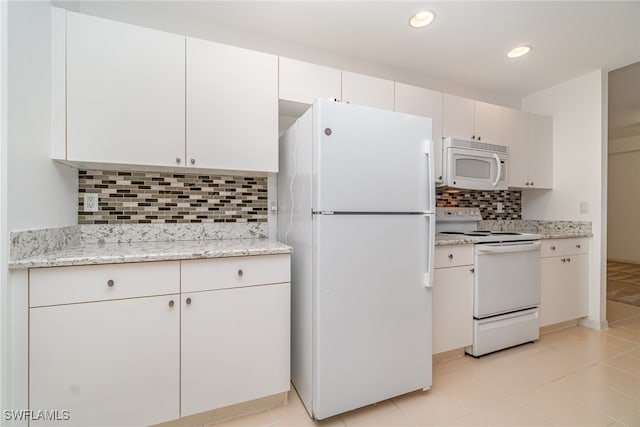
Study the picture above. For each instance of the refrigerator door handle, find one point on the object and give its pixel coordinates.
(431, 238)
(431, 199)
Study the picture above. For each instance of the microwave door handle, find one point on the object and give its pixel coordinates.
(499, 169)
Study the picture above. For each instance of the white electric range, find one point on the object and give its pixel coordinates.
(506, 285)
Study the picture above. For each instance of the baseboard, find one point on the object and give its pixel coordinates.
(624, 261)
(447, 355)
(229, 412)
(558, 326)
(594, 324)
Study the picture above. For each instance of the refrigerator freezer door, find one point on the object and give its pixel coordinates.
(371, 160)
(372, 310)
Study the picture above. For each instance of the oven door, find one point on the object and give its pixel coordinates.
(475, 170)
(507, 277)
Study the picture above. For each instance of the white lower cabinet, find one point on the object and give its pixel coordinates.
(235, 346)
(564, 278)
(453, 298)
(138, 352)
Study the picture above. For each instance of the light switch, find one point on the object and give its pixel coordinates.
(584, 207)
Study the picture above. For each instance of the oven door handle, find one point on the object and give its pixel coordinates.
(499, 169)
(504, 248)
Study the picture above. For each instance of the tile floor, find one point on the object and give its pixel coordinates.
(623, 282)
(573, 377)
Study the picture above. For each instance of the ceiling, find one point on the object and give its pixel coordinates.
(466, 44)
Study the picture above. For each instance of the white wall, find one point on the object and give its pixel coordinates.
(35, 192)
(623, 242)
(4, 241)
(579, 110)
(41, 193)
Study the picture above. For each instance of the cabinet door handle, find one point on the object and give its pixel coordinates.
(578, 246)
(553, 248)
(178, 160)
(171, 303)
(473, 137)
(568, 259)
(188, 301)
(240, 273)
(479, 138)
(472, 270)
(450, 256)
(193, 161)
(110, 283)
(563, 260)
(532, 183)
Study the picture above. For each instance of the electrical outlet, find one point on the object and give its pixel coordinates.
(91, 202)
(499, 207)
(584, 207)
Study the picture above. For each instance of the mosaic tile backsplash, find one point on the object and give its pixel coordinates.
(485, 200)
(165, 197)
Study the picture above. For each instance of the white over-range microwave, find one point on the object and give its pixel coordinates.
(474, 165)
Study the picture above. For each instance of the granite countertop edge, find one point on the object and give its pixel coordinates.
(116, 253)
(543, 236)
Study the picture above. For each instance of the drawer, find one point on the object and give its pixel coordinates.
(233, 272)
(453, 255)
(563, 247)
(66, 285)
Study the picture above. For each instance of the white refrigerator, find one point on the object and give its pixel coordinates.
(356, 202)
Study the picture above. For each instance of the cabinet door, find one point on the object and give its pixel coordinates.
(452, 308)
(540, 155)
(108, 363)
(564, 292)
(232, 107)
(428, 103)
(304, 82)
(515, 134)
(125, 93)
(488, 122)
(366, 90)
(235, 346)
(458, 117)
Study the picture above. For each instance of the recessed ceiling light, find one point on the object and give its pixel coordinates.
(422, 19)
(519, 51)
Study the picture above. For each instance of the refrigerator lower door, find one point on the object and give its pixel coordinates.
(372, 309)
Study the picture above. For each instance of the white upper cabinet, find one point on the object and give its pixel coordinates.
(465, 118)
(428, 103)
(366, 90)
(232, 107)
(305, 82)
(530, 141)
(124, 94)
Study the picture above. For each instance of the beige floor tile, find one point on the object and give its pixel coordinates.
(381, 414)
(306, 421)
(617, 311)
(430, 408)
(615, 379)
(558, 407)
(631, 323)
(510, 413)
(596, 397)
(623, 333)
(470, 420)
(634, 352)
(260, 419)
(293, 409)
(627, 363)
(632, 421)
(552, 365)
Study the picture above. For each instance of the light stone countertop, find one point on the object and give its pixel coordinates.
(112, 253)
(448, 240)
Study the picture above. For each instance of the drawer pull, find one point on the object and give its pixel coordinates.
(188, 301)
(110, 283)
(553, 248)
(171, 303)
(472, 270)
(240, 273)
(563, 260)
(450, 256)
(568, 259)
(578, 246)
